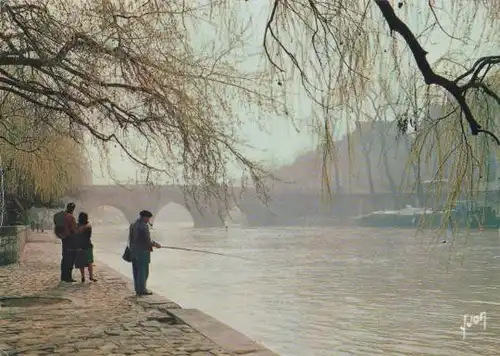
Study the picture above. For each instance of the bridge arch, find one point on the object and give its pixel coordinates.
(200, 218)
(173, 213)
(106, 214)
(130, 200)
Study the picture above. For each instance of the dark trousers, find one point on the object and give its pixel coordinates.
(140, 270)
(67, 262)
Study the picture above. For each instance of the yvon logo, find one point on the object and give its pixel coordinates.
(471, 320)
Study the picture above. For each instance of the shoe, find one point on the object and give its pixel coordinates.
(83, 279)
(93, 279)
(144, 293)
(71, 280)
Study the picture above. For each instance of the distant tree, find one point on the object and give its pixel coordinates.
(366, 143)
(39, 164)
(381, 132)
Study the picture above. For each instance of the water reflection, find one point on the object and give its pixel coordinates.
(326, 292)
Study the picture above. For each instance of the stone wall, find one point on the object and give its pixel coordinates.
(12, 242)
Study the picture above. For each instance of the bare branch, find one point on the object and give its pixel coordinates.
(129, 76)
(395, 24)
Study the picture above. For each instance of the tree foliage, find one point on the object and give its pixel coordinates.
(130, 74)
(349, 39)
(39, 164)
(345, 51)
(134, 74)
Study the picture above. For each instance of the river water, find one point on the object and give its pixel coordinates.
(332, 291)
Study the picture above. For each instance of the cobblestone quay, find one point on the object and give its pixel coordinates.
(103, 318)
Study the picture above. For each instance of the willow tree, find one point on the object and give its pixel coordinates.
(359, 41)
(137, 75)
(39, 163)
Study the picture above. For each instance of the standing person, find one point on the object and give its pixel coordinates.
(85, 249)
(65, 228)
(141, 246)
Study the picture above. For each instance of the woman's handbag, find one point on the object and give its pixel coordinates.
(127, 255)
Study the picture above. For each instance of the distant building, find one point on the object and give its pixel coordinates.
(376, 157)
(364, 158)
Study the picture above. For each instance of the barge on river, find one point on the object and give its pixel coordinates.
(464, 215)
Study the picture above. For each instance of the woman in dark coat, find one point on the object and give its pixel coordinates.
(85, 254)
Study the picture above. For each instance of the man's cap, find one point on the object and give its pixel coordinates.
(70, 206)
(146, 214)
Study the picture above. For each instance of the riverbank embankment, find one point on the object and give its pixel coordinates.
(41, 316)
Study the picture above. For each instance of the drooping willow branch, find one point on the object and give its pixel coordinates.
(431, 77)
(341, 28)
(129, 77)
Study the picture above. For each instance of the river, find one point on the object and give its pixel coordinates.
(332, 291)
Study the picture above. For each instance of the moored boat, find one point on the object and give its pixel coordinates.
(465, 215)
(407, 217)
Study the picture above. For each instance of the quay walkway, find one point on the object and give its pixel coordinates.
(41, 316)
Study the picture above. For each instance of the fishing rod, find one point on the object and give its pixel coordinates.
(201, 251)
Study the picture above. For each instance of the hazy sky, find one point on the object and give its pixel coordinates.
(282, 143)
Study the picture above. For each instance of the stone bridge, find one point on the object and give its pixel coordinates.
(287, 205)
(131, 199)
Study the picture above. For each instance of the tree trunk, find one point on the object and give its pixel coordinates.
(366, 152)
(15, 210)
(416, 171)
(385, 161)
(365, 148)
(337, 176)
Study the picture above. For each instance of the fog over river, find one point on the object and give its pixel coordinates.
(331, 291)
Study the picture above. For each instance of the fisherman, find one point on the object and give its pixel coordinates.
(141, 246)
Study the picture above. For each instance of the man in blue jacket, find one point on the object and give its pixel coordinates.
(141, 246)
